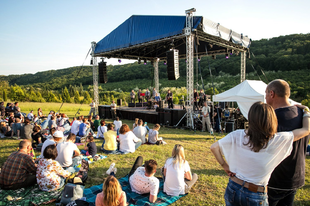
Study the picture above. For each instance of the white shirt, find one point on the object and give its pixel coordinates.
(113, 106)
(65, 153)
(101, 130)
(45, 144)
(117, 124)
(174, 182)
(127, 142)
(205, 110)
(92, 105)
(30, 116)
(140, 132)
(152, 136)
(142, 184)
(49, 117)
(255, 167)
(75, 126)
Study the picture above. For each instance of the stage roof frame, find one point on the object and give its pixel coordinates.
(149, 37)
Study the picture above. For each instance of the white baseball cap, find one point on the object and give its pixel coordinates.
(59, 134)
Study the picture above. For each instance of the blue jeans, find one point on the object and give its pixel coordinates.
(110, 151)
(308, 148)
(236, 194)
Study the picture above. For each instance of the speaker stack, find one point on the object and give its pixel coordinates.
(103, 77)
(173, 64)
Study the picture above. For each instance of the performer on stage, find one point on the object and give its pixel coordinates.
(132, 96)
(147, 94)
(113, 110)
(92, 108)
(201, 98)
(157, 98)
(154, 92)
(140, 96)
(169, 98)
(195, 100)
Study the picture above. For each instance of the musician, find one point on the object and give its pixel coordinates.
(147, 94)
(157, 98)
(169, 99)
(132, 96)
(201, 98)
(154, 92)
(195, 100)
(140, 96)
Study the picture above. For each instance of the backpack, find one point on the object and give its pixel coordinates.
(71, 193)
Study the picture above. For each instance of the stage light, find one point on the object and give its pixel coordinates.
(139, 61)
(91, 62)
(165, 63)
(119, 61)
(227, 56)
(144, 61)
(213, 57)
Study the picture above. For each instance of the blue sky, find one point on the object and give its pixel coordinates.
(37, 35)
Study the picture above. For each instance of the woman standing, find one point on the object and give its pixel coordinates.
(253, 154)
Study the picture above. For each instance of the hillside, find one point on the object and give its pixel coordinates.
(286, 57)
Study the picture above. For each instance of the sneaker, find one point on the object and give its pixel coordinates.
(110, 168)
(114, 170)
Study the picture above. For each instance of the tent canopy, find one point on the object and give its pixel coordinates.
(245, 94)
(147, 37)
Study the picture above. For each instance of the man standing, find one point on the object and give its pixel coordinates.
(19, 170)
(195, 100)
(113, 110)
(206, 117)
(147, 95)
(169, 98)
(92, 108)
(132, 96)
(140, 96)
(154, 92)
(289, 175)
(217, 117)
(201, 98)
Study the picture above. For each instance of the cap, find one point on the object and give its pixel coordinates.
(58, 134)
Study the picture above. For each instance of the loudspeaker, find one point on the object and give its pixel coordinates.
(119, 102)
(131, 104)
(173, 64)
(177, 114)
(101, 112)
(161, 104)
(167, 117)
(103, 77)
(230, 126)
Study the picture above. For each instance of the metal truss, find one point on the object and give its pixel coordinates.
(243, 66)
(156, 77)
(95, 77)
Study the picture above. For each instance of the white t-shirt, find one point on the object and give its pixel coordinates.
(65, 153)
(152, 136)
(127, 142)
(30, 116)
(140, 132)
(101, 130)
(117, 124)
(174, 181)
(49, 117)
(45, 144)
(255, 167)
(205, 110)
(75, 126)
(142, 184)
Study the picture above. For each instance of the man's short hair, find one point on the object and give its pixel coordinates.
(78, 118)
(150, 166)
(117, 118)
(24, 143)
(71, 137)
(52, 131)
(140, 122)
(50, 152)
(280, 87)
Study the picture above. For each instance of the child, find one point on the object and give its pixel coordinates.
(90, 148)
(153, 136)
(112, 194)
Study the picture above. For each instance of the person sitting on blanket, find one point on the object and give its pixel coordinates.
(177, 173)
(37, 137)
(50, 175)
(142, 180)
(52, 122)
(109, 145)
(76, 125)
(140, 131)
(96, 123)
(128, 142)
(90, 148)
(19, 169)
(112, 194)
(117, 125)
(17, 128)
(55, 138)
(68, 154)
(101, 129)
(153, 135)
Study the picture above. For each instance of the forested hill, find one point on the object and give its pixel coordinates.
(284, 53)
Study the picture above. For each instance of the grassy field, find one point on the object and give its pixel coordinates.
(210, 187)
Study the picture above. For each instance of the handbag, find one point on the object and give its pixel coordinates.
(71, 193)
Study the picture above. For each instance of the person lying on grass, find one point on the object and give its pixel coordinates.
(90, 147)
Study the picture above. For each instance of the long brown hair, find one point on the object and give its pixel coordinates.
(263, 125)
(111, 191)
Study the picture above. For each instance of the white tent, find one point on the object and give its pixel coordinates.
(245, 94)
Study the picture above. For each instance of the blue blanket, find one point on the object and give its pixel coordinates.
(133, 198)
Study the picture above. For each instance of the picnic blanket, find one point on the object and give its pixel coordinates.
(28, 196)
(133, 198)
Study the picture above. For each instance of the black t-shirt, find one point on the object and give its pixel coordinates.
(92, 148)
(290, 173)
(218, 112)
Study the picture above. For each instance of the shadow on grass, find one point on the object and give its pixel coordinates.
(302, 202)
(210, 172)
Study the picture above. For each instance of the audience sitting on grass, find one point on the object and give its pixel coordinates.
(37, 137)
(136, 123)
(35, 119)
(2, 110)
(74, 118)
(30, 115)
(17, 128)
(28, 128)
(112, 194)
(76, 126)
(96, 123)
(40, 113)
(68, 153)
(140, 131)
(153, 135)
(142, 180)
(90, 147)
(19, 169)
(177, 173)
(54, 138)
(85, 129)
(128, 142)
(50, 175)
(52, 122)
(91, 123)
(101, 130)
(117, 125)
(109, 145)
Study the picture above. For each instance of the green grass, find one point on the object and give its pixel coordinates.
(210, 187)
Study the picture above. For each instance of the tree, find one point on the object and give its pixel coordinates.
(76, 97)
(5, 98)
(87, 98)
(66, 96)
